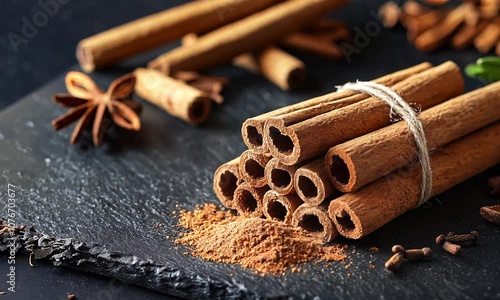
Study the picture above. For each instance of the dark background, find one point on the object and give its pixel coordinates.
(51, 51)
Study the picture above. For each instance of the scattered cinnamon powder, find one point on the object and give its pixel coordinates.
(268, 247)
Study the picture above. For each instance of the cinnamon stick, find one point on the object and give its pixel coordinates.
(111, 46)
(420, 24)
(247, 35)
(252, 166)
(304, 42)
(279, 67)
(489, 37)
(280, 207)
(174, 96)
(280, 176)
(390, 14)
(353, 164)
(248, 200)
(437, 35)
(465, 36)
(315, 220)
(252, 129)
(314, 136)
(415, 9)
(226, 180)
(360, 213)
(312, 183)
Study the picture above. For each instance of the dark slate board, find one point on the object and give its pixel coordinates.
(114, 195)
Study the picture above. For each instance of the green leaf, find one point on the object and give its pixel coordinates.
(486, 68)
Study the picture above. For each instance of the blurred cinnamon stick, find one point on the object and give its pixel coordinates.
(111, 46)
(247, 35)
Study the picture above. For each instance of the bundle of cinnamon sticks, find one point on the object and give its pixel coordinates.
(339, 164)
(474, 23)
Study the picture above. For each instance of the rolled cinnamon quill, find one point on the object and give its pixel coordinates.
(304, 42)
(248, 200)
(315, 220)
(247, 35)
(489, 37)
(113, 45)
(279, 67)
(280, 177)
(360, 213)
(252, 129)
(314, 136)
(226, 180)
(280, 207)
(437, 35)
(252, 166)
(174, 96)
(355, 163)
(312, 183)
(419, 24)
(465, 36)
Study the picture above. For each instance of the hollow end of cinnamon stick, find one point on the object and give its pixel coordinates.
(312, 183)
(280, 207)
(248, 200)
(295, 78)
(85, 58)
(281, 143)
(315, 221)
(226, 180)
(341, 171)
(279, 176)
(346, 222)
(199, 110)
(251, 131)
(252, 168)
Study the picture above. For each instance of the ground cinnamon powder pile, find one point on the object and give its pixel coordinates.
(266, 246)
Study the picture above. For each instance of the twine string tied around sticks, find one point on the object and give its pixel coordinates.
(402, 109)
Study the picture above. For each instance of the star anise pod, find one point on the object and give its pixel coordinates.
(90, 105)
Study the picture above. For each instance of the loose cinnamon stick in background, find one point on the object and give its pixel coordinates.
(437, 35)
(252, 166)
(175, 97)
(314, 136)
(308, 43)
(247, 35)
(248, 200)
(390, 14)
(465, 36)
(252, 129)
(360, 213)
(280, 207)
(279, 67)
(312, 183)
(315, 220)
(422, 23)
(280, 177)
(489, 37)
(113, 45)
(353, 164)
(226, 180)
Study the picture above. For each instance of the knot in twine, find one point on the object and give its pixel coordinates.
(403, 110)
